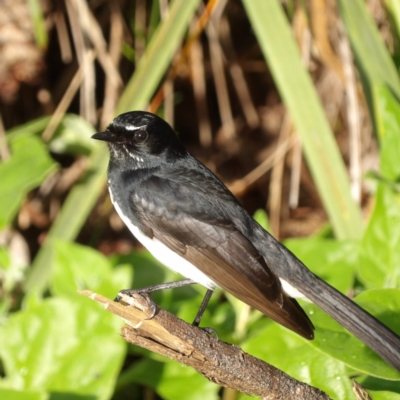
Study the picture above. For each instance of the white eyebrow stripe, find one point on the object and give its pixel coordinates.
(135, 128)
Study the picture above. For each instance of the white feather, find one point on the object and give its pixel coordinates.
(164, 254)
(135, 128)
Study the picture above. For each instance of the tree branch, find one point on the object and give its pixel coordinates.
(222, 363)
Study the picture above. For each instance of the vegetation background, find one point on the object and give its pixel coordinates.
(294, 104)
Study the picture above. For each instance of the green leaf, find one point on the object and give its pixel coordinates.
(10, 394)
(73, 136)
(371, 383)
(62, 345)
(333, 261)
(379, 256)
(290, 353)
(332, 339)
(180, 382)
(173, 381)
(38, 22)
(70, 219)
(294, 84)
(384, 304)
(77, 267)
(262, 218)
(388, 122)
(27, 168)
(383, 395)
(393, 7)
(368, 47)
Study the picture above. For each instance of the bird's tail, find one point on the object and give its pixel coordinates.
(367, 328)
(363, 325)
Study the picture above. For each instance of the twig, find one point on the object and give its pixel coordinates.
(222, 363)
(239, 186)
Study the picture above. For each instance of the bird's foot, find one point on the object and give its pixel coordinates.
(150, 302)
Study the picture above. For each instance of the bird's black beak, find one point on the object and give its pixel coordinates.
(105, 136)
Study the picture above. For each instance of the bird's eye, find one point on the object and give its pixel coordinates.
(140, 136)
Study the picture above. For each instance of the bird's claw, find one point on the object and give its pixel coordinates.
(150, 302)
(210, 331)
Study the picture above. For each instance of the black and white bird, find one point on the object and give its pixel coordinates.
(187, 218)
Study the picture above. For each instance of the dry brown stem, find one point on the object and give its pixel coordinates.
(220, 362)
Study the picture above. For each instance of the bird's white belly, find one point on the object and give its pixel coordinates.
(164, 254)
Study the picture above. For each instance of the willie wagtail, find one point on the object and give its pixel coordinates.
(187, 218)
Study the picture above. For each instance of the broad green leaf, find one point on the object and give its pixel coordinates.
(262, 218)
(384, 303)
(294, 84)
(173, 381)
(10, 394)
(73, 136)
(180, 382)
(383, 395)
(33, 127)
(62, 345)
(77, 267)
(371, 383)
(333, 261)
(27, 168)
(70, 219)
(334, 340)
(379, 256)
(288, 352)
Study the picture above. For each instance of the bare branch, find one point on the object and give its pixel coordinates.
(222, 363)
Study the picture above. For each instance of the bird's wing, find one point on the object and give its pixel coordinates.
(185, 216)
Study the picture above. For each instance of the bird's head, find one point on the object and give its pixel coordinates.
(141, 138)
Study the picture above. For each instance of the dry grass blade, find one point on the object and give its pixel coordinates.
(217, 65)
(116, 38)
(68, 96)
(184, 54)
(238, 78)
(352, 115)
(63, 37)
(239, 186)
(91, 27)
(87, 98)
(199, 89)
(275, 198)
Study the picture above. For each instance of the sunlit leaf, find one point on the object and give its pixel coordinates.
(10, 394)
(78, 267)
(62, 345)
(332, 260)
(379, 256)
(288, 352)
(26, 169)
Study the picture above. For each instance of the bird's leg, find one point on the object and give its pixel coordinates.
(200, 313)
(145, 292)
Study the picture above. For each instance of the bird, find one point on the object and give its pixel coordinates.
(189, 220)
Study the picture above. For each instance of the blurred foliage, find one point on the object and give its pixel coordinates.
(55, 344)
